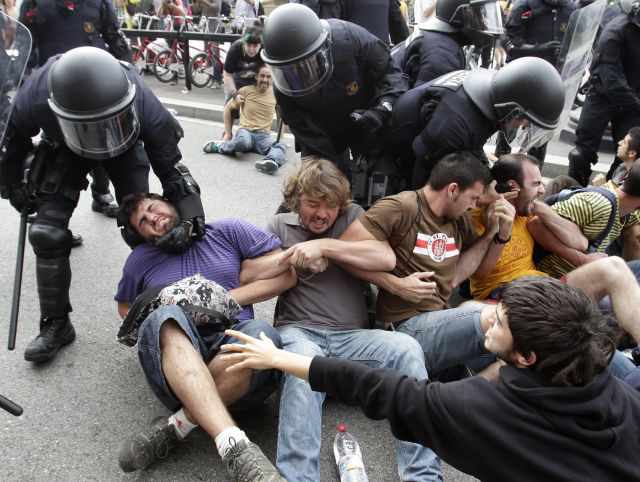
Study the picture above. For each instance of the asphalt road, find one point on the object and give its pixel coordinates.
(80, 407)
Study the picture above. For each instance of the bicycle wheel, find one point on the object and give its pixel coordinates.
(165, 66)
(200, 70)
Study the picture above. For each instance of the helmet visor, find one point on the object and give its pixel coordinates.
(484, 17)
(102, 139)
(304, 75)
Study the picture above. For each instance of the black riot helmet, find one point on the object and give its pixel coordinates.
(469, 16)
(526, 88)
(92, 98)
(632, 9)
(296, 45)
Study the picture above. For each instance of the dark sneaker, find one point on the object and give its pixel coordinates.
(268, 166)
(105, 204)
(245, 462)
(54, 334)
(155, 443)
(211, 147)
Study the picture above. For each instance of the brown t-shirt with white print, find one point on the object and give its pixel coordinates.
(422, 242)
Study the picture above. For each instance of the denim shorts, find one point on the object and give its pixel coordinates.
(263, 382)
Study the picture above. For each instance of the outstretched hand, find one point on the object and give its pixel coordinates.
(257, 354)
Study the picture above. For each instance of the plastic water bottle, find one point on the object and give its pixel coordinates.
(348, 457)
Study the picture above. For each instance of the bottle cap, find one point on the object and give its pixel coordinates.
(342, 427)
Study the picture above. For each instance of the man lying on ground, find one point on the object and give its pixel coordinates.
(179, 358)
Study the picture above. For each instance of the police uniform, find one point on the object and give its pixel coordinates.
(537, 27)
(427, 55)
(63, 174)
(363, 76)
(436, 119)
(380, 17)
(61, 25)
(614, 95)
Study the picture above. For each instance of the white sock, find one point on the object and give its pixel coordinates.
(228, 437)
(181, 423)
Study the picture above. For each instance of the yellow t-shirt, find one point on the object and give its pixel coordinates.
(515, 261)
(257, 110)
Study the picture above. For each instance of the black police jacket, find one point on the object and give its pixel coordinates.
(363, 77)
(58, 26)
(534, 23)
(615, 70)
(380, 17)
(436, 119)
(159, 130)
(432, 54)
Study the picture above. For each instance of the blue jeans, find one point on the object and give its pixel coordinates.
(263, 383)
(448, 337)
(300, 425)
(255, 141)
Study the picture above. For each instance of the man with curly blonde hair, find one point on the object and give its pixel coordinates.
(326, 314)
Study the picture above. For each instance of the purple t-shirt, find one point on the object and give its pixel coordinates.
(217, 257)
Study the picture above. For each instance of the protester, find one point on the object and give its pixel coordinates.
(553, 396)
(318, 195)
(179, 357)
(588, 223)
(242, 63)
(257, 107)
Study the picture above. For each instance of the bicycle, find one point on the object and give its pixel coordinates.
(143, 54)
(168, 65)
(206, 67)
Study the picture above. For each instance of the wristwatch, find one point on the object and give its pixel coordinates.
(498, 240)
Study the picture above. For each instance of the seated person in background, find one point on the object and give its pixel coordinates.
(179, 358)
(582, 231)
(242, 62)
(435, 249)
(519, 186)
(257, 107)
(326, 314)
(628, 150)
(553, 396)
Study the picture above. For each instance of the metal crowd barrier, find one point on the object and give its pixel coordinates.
(183, 37)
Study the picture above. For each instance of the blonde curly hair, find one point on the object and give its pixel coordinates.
(319, 179)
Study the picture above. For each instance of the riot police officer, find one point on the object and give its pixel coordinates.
(614, 91)
(324, 71)
(462, 109)
(57, 26)
(435, 47)
(117, 120)
(382, 18)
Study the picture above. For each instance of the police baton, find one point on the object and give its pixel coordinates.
(17, 279)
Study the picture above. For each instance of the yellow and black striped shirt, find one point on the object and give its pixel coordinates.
(591, 212)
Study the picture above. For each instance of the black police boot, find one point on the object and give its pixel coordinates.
(105, 204)
(54, 334)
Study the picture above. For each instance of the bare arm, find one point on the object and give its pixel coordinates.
(547, 239)
(262, 290)
(228, 120)
(123, 309)
(229, 83)
(504, 212)
(568, 232)
(263, 267)
(471, 258)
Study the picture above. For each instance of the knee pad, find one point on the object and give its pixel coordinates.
(49, 241)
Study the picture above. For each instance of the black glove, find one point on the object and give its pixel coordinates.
(179, 239)
(20, 199)
(369, 121)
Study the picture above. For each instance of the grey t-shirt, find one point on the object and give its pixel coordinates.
(331, 300)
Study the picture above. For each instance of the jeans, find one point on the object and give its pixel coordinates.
(263, 382)
(448, 337)
(255, 141)
(300, 424)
